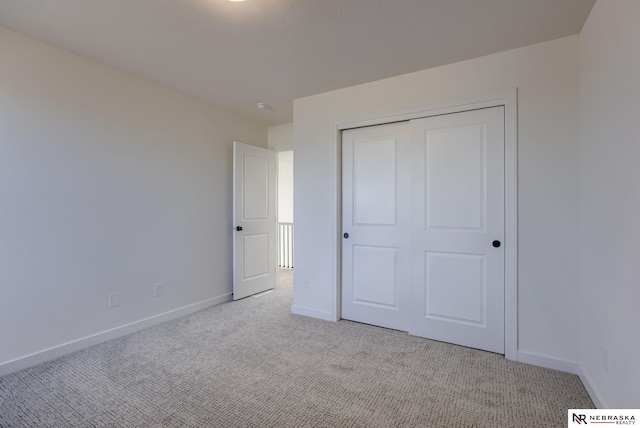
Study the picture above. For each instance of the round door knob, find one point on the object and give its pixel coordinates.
(497, 243)
(239, 228)
(346, 236)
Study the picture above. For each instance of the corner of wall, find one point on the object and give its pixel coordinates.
(591, 388)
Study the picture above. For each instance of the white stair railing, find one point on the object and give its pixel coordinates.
(285, 245)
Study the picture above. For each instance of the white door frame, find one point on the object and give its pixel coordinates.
(508, 99)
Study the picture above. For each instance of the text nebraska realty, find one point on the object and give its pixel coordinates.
(611, 419)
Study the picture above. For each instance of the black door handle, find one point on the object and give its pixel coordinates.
(239, 228)
(497, 243)
(346, 236)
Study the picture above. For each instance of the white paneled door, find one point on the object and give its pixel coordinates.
(423, 218)
(376, 222)
(457, 281)
(254, 216)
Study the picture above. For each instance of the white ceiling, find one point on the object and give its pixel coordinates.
(233, 55)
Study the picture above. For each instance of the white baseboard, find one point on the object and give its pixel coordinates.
(594, 393)
(310, 312)
(78, 344)
(565, 366)
(548, 362)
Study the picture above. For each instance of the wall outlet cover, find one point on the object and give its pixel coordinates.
(158, 289)
(114, 300)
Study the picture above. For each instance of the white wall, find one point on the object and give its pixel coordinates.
(610, 201)
(547, 79)
(107, 184)
(285, 187)
(280, 137)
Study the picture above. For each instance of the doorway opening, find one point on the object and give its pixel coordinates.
(263, 219)
(285, 210)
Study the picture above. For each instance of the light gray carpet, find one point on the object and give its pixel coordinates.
(252, 363)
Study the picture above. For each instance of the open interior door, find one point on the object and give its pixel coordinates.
(254, 216)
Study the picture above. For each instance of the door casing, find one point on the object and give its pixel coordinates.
(508, 99)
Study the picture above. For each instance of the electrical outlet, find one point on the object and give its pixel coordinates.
(114, 300)
(158, 289)
(305, 285)
(605, 359)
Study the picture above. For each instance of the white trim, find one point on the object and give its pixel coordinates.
(565, 366)
(336, 240)
(511, 225)
(78, 344)
(548, 362)
(590, 386)
(509, 100)
(310, 312)
(420, 112)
